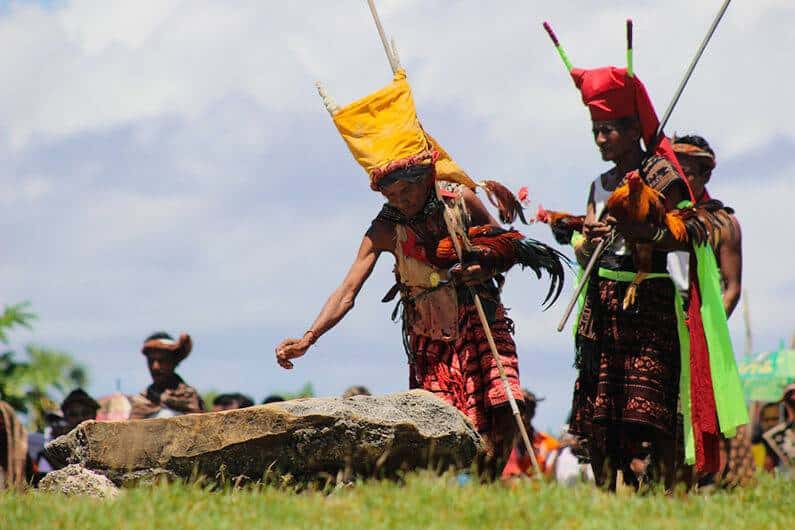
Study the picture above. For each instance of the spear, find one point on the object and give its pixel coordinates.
(456, 233)
(658, 135)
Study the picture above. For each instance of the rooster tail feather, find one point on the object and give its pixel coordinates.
(540, 257)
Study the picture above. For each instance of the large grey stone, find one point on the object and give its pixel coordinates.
(74, 479)
(307, 438)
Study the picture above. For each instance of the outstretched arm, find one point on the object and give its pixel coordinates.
(338, 304)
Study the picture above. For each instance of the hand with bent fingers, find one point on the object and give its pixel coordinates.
(471, 274)
(291, 349)
(595, 232)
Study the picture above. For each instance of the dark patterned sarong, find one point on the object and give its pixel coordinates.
(629, 374)
(464, 372)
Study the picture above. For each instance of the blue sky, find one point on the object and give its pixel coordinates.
(168, 165)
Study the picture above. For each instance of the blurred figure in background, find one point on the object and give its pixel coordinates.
(356, 390)
(168, 395)
(13, 449)
(789, 402)
(78, 407)
(273, 398)
(781, 438)
(231, 401)
(764, 457)
(546, 447)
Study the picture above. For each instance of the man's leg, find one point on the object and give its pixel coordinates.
(499, 442)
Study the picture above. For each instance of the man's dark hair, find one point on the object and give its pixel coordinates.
(158, 335)
(273, 398)
(235, 398)
(696, 140)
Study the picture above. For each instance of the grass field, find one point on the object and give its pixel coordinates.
(424, 501)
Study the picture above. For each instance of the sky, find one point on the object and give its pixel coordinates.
(167, 164)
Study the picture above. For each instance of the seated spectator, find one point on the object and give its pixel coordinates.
(789, 402)
(168, 395)
(273, 398)
(764, 457)
(545, 447)
(77, 408)
(231, 402)
(356, 390)
(780, 439)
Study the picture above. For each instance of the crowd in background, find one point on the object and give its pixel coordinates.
(560, 458)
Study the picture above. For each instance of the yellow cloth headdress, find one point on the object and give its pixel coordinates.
(383, 133)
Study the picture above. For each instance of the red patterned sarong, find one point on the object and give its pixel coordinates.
(464, 372)
(636, 374)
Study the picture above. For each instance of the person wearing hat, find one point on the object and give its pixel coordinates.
(697, 159)
(631, 361)
(428, 195)
(168, 395)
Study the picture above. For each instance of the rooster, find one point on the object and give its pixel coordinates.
(635, 201)
(563, 224)
(500, 249)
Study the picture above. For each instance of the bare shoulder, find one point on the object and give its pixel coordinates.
(732, 233)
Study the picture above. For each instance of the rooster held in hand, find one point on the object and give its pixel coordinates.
(634, 201)
(563, 224)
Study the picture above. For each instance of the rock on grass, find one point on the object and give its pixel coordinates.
(305, 438)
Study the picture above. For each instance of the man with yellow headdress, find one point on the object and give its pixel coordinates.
(427, 196)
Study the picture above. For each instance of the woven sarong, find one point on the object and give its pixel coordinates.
(635, 360)
(464, 372)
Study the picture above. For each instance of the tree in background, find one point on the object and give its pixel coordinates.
(35, 385)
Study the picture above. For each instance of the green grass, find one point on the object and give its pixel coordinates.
(424, 501)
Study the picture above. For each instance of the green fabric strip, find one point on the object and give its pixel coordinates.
(729, 398)
(684, 379)
(576, 239)
(726, 384)
(626, 276)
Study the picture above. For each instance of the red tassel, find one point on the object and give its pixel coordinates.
(703, 408)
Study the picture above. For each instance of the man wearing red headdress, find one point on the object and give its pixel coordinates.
(625, 399)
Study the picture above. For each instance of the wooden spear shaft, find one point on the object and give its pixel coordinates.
(597, 253)
(649, 148)
(484, 321)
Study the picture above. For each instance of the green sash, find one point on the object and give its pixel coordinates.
(726, 385)
(576, 237)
